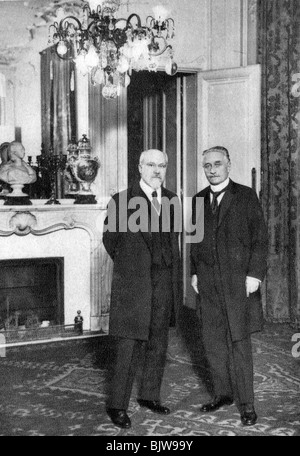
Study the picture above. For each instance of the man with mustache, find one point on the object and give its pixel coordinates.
(144, 292)
(227, 268)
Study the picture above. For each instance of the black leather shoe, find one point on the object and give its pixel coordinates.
(119, 418)
(216, 403)
(248, 416)
(155, 406)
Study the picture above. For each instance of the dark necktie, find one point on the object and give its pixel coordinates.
(156, 237)
(215, 204)
(155, 201)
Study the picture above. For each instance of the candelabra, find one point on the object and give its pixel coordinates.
(53, 165)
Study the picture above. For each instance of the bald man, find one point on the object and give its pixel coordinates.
(144, 292)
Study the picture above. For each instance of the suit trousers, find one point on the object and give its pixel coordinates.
(150, 354)
(230, 362)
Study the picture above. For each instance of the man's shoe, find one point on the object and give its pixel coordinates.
(248, 416)
(119, 418)
(155, 406)
(216, 403)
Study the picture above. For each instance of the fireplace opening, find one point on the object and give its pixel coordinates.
(31, 293)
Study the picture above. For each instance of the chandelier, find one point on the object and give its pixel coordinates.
(109, 49)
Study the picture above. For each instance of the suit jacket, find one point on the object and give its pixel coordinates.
(241, 245)
(131, 292)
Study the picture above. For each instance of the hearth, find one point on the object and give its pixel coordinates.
(69, 239)
(31, 293)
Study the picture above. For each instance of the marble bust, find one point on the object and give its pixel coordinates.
(16, 172)
(3, 152)
(5, 188)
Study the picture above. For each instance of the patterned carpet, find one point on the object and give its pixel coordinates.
(59, 389)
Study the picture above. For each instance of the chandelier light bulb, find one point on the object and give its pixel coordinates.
(171, 67)
(127, 51)
(139, 48)
(94, 4)
(60, 14)
(110, 91)
(98, 77)
(127, 80)
(80, 64)
(123, 65)
(152, 65)
(62, 48)
(160, 13)
(111, 25)
(109, 48)
(92, 58)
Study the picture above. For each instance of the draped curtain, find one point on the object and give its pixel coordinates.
(58, 107)
(58, 101)
(279, 55)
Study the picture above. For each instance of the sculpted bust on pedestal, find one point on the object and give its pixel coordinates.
(16, 172)
(5, 188)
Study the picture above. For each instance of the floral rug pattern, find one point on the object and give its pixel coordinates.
(60, 389)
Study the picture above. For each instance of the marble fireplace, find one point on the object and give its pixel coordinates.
(72, 233)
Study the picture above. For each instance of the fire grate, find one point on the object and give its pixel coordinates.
(40, 333)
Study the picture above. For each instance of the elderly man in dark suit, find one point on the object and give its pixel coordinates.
(227, 267)
(139, 236)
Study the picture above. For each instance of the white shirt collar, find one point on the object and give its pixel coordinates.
(219, 187)
(149, 190)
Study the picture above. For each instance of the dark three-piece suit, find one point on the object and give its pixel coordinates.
(144, 296)
(234, 247)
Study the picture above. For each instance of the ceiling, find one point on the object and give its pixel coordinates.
(15, 16)
(19, 22)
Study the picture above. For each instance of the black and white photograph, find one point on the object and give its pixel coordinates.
(150, 220)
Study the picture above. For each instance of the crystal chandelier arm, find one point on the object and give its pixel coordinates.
(151, 21)
(119, 33)
(170, 20)
(67, 32)
(55, 26)
(161, 26)
(64, 23)
(137, 30)
(121, 19)
(139, 23)
(87, 8)
(172, 26)
(160, 51)
(110, 48)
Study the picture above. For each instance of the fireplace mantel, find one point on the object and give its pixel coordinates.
(50, 229)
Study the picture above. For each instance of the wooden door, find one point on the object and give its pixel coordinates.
(179, 128)
(229, 116)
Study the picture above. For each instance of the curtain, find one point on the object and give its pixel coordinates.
(57, 103)
(279, 55)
